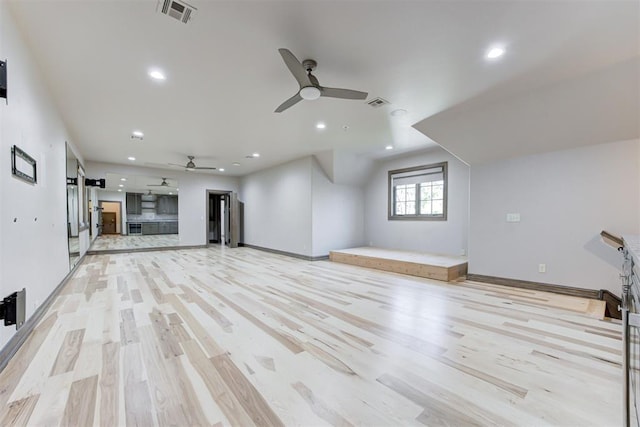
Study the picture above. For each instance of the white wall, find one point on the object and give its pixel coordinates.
(565, 199)
(33, 218)
(295, 208)
(445, 237)
(192, 198)
(277, 207)
(337, 214)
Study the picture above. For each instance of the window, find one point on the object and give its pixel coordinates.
(418, 193)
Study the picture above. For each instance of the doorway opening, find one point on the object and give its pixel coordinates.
(111, 217)
(223, 218)
(218, 217)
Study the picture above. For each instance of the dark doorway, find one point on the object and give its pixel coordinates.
(223, 218)
(218, 218)
(109, 223)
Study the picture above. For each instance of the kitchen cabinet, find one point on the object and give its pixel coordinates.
(134, 204)
(168, 227)
(149, 228)
(167, 205)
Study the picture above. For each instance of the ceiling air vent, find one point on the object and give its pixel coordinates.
(178, 9)
(377, 102)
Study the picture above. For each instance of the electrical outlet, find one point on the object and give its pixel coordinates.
(542, 268)
(463, 252)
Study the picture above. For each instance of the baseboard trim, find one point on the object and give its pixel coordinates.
(126, 251)
(291, 254)
(612, 301)
(15, 342)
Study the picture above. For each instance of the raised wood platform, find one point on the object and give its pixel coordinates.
(432, 266)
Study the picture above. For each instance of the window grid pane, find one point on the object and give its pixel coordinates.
(431, 198)
(415, 195)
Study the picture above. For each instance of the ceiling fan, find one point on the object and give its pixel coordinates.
(190, 166)
(310, 88)
(164, 183)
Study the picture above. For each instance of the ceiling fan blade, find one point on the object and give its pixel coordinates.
(295, 67)
(289, 103)
(204, 168)
(173, 164)
(332, 92)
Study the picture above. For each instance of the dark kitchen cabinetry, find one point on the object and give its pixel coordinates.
(134, 204)
(149, 228)
(167, 205)
(168, 227)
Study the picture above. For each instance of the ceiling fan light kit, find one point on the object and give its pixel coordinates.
(310, 93)
(310, 88)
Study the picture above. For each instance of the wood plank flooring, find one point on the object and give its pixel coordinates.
(421, 264)
(241, 337)
(109, 242)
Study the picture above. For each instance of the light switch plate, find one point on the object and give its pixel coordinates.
(513, 217)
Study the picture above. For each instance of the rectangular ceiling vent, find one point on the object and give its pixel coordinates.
(377, 102)
(179, 10)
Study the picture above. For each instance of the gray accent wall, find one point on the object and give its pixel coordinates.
(564, 198)
(445, 237)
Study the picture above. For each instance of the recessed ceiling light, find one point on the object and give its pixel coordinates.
(236, 164)
(170, 193)
(495, 52)
(120, 190)
(157, 75)
(137, 134)
(121, 185)
(399, 112)
(177, 189)
(255, 155)
(389, 147)
(221, 169)
(133, 159)
(320, 125)
(123, 179)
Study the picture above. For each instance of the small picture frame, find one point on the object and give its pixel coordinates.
(23, 166)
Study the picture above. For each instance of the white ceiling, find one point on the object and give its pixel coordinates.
(139, 184)
(225, 76)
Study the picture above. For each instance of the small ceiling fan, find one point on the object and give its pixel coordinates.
(190, 166)
(310, 88)
(164, 183)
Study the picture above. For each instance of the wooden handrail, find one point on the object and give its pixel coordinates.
(615, 239)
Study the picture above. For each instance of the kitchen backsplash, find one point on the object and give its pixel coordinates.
(151, 216)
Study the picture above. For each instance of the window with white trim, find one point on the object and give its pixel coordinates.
(418, 193)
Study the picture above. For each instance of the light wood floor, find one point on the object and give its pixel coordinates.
(243, 337)
(421, 264)
(107, 242)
